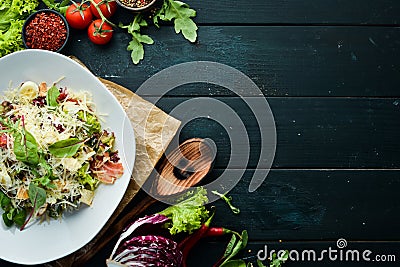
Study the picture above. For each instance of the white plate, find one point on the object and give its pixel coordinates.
(45, 242)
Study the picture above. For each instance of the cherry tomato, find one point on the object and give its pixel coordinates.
(107, 7)
(79, 16)
(100, 34)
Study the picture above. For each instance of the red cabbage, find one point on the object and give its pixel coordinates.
(132, 249)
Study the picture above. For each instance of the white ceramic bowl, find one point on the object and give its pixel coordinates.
(40, 243)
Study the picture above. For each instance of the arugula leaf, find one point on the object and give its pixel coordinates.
(171, 10)
(26, 148)
(65, 148)
(180, 13)
(138, 39)
(51, 97)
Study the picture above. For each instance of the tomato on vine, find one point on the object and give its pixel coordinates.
(107, 7)
(78, 15)
(100, 32)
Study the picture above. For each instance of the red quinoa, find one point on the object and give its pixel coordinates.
(46, 31)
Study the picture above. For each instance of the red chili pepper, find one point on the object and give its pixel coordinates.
(218, 231)
(46, 31)
(188, 243)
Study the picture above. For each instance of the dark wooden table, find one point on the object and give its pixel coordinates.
(330, 71)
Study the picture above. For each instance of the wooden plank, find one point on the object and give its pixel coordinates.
(292, 12)
(312, 205)
(282, 61)
(297, 11)
(316, 205)
(311, 132)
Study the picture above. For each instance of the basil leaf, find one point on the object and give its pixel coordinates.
(7, 221)
(230, 246)
(51, 98)
(37, 196)
(26, 148)
(65, 148)
(20, 217)
(234, 248)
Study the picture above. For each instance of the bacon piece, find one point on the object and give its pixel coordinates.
(109, 172)
(3, 140)
(43, 89)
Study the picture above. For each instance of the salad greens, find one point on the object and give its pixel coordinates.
(26, 148)
(65, 148)
(51, 97)
(53, 153)
(12, 16)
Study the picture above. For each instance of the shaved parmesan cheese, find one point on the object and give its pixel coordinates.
(5, 179)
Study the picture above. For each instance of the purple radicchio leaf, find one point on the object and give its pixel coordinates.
(128, 232)
(149, 251)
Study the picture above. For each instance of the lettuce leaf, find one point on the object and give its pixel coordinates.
(189, 214)
(12, 16)
(11, 40)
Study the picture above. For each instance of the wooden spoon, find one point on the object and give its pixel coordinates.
(183, 168)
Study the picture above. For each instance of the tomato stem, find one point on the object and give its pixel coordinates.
(103, 18)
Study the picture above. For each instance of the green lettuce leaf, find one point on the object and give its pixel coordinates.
(189, 214)
(12, 16)
(11, 40)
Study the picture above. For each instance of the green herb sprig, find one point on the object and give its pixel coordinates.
(57, 6)
(171, 11)
(138, 39)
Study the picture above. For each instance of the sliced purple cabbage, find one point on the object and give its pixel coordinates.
(132, 249)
